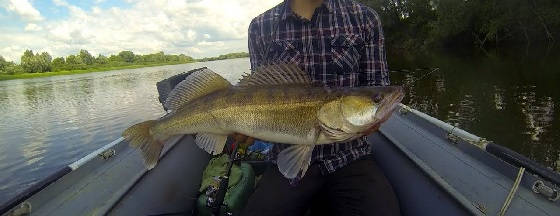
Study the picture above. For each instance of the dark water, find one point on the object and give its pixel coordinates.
(47, 123)
(512, 99)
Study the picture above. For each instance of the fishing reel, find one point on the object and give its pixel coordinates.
(212, 191)
(215, 196)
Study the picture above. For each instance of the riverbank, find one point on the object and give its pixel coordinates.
(90, 70)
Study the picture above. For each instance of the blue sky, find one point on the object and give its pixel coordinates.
(198, 28)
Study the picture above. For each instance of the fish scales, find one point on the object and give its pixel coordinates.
(288, 114)
(283, 114)
(265, 108)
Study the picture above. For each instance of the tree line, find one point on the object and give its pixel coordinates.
(226, 56)
(43, 62)
(425, 24)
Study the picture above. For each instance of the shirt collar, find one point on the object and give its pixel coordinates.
(287, 11)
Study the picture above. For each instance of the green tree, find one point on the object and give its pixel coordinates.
(171, 58)
(101, 59)
(13, 69)
(44, 61)
(35, 63)
(138, 59)
(114, 58)
(28, 62)
(58, 64)
(413, 24)
(73, 60)
(185, 58)
(8, 67)
(127, 56)
(3, 64)
(86, 57)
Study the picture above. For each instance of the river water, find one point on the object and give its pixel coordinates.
(48, 123)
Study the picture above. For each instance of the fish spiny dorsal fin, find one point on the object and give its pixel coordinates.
(198, 84)
(275, 74)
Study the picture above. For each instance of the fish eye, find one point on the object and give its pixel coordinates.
(377, 98)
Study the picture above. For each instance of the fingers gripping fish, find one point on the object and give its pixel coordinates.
(276, 103)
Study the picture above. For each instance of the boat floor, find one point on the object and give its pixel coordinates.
(430, 174)
(171, 188)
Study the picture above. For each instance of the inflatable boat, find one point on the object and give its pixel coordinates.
(434, 168)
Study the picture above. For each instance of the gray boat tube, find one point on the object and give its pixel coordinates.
(35, 188)
(501, 152)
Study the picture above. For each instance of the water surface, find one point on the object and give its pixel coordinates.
(47, 123)
(510, 98)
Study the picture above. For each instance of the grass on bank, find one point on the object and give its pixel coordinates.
(81, 71)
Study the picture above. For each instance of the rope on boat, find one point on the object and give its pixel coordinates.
(512, 191)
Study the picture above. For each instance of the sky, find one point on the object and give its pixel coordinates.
(198, 28)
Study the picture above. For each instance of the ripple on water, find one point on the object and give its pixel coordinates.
(48, 123)
(538, 111)
(464, 113)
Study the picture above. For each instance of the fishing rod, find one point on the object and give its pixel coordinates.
(419, 78)
(404, 70)
(499, 151)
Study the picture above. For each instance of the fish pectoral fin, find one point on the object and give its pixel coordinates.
(335, 134)
(294, 160)
(211, 143)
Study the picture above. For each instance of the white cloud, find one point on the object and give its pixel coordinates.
(32, 27)
(60, 3)
(24, 9)
(198, 28)
(213, 43)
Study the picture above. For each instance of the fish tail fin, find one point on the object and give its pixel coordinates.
(139, 136)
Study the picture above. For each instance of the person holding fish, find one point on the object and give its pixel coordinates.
(339, 43)
(318, 86)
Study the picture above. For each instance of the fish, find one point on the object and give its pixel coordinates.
(277, 103)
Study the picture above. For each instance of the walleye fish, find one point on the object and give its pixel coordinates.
(276, 103)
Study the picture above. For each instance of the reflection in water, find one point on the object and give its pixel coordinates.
(499, 98)
(505, 99)
(48, 123)
(462, 114)
(410, 86)
(38, 95)
(440, 83)
(538, 112)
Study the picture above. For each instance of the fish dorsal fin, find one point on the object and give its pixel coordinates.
(198, 84)
(275, 74)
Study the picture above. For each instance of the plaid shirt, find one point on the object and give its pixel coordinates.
(342, 45)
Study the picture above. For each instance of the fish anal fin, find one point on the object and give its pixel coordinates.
(275, 74)
(294, 161)
(198, 84)
(211, 143)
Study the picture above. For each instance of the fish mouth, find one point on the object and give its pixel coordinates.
(388, 104)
